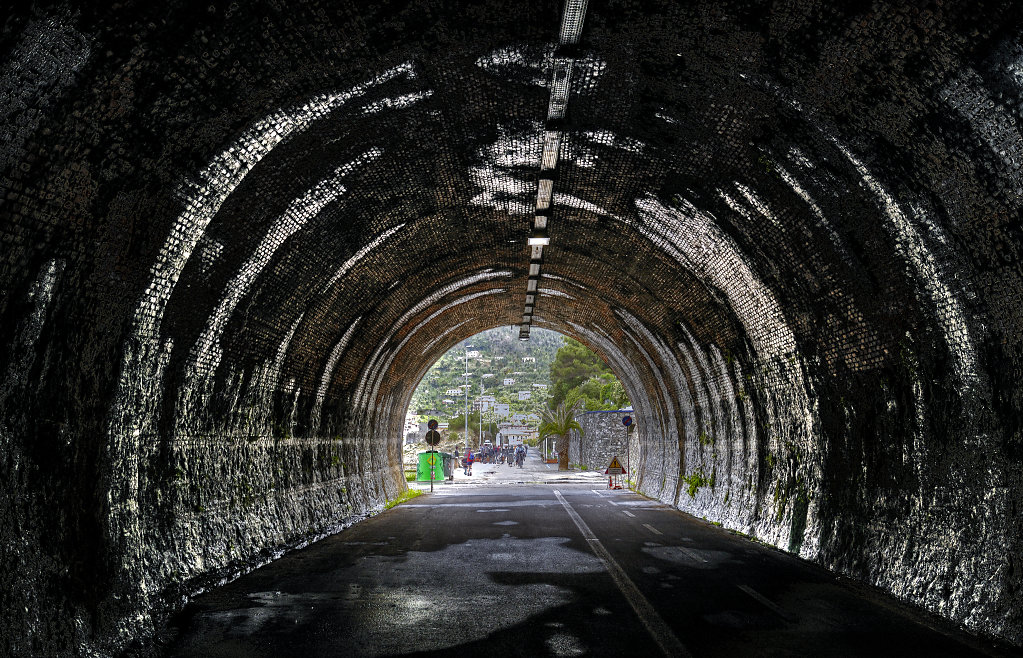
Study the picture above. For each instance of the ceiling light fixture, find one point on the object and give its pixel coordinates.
(539, 237)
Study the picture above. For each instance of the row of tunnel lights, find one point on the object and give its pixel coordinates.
(564, 60)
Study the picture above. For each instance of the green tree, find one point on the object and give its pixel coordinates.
(560, 422)
(603, 392)
(573, 364)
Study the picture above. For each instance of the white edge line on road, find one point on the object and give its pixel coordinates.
(648, 615)
(652, 529)
(765, 601)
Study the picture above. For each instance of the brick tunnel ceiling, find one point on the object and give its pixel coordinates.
(309, 172)
(801, 200)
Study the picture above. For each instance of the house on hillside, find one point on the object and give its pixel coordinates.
(473, 354)
(540, 387)
(501, 410)
(508, 381)
(453, 391)
(529, 359)
(524, 395)
(514, 434)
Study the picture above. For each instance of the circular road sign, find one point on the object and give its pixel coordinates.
(433, 437)
(627, 421)
(432, 424)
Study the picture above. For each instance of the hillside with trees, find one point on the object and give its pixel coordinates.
(553, 368)
(501, 355)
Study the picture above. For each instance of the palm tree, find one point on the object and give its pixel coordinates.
(559, 422)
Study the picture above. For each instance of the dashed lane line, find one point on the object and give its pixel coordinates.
(655, 625)
(607, 498)
(691, 554)
(766, 602)
(628, 513)
(652, 529)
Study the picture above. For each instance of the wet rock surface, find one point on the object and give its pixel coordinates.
(502, 569)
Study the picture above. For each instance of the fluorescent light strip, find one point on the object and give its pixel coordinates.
(551, 144)
(571, 29)
(556, 108)
(543, 193)
(572, 21)
(561, 84)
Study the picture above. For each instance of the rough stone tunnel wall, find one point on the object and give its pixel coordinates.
(235, 236)
(603, 438)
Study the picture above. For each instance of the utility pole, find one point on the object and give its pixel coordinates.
(466, 379)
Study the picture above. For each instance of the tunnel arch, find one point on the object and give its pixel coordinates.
(234, 236)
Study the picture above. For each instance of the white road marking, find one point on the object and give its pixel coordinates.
(502, 506)
(628, 513)
(652, 529)
(655, 625)
(765, 601)
(605, 497)
(686, 551)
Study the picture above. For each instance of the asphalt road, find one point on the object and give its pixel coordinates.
(566, 568)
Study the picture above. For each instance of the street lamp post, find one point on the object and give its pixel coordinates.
(467, 398)
(482, 393)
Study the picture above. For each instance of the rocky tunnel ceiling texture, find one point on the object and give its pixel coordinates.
(235, 236)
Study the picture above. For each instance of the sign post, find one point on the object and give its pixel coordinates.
(627, 421)
(432, 438)
(614, 471)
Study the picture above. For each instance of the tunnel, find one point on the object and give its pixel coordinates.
(236, 235)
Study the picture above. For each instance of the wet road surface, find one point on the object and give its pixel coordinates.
(569, 568)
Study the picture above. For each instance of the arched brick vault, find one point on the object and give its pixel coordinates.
(236, 236)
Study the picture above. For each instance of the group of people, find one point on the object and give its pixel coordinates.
(490, 454)
(509, 455)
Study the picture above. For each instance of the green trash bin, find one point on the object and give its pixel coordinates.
(423, 466)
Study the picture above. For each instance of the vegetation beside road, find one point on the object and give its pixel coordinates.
(407, 495)
(579, 378)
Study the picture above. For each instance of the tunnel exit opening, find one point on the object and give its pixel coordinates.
(518, 407)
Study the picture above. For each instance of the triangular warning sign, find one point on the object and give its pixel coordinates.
(615, 468)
